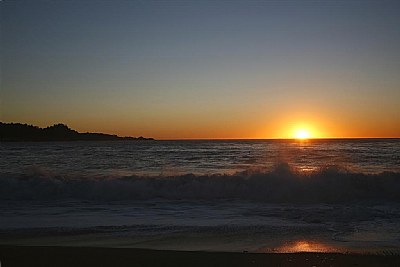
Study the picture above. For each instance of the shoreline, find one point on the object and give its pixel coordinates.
(100, 256)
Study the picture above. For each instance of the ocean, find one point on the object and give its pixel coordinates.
(334, 195)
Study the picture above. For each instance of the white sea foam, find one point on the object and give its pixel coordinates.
(330, 184)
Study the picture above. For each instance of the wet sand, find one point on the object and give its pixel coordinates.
(91, 256)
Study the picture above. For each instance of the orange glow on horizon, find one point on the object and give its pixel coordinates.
(290, 125)
(284, 129)
(306, 246)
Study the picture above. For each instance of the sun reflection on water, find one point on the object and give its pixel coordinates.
(305, 246)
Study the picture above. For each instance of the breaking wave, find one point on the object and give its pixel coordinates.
(282, 184)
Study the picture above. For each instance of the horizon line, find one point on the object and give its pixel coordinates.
(301, 140)
(216, 139)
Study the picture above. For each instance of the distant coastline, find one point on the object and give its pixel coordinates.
(18, 132)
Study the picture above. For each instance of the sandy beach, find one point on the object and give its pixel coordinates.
(90, 256)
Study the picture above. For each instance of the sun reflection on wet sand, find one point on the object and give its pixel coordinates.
(303, 246)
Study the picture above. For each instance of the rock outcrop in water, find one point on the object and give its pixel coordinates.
(57, 132)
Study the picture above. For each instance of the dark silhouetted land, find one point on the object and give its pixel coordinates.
(57, 132)
(86, 256)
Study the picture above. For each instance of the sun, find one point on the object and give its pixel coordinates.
(302, 134)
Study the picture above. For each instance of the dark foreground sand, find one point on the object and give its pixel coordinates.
(85, 256)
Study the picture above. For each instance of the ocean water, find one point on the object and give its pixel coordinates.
(213, 195)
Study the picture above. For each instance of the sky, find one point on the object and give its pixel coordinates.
(203, 69)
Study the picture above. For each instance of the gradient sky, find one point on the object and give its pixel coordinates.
(203, 69)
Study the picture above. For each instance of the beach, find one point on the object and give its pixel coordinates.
(91, 256)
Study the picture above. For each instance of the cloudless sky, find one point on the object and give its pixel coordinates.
(203, 69)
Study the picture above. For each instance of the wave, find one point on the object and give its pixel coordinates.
(330, 184)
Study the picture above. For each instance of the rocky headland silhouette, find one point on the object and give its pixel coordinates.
(57, 132)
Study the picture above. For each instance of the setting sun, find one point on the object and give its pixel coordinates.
(302, 134)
